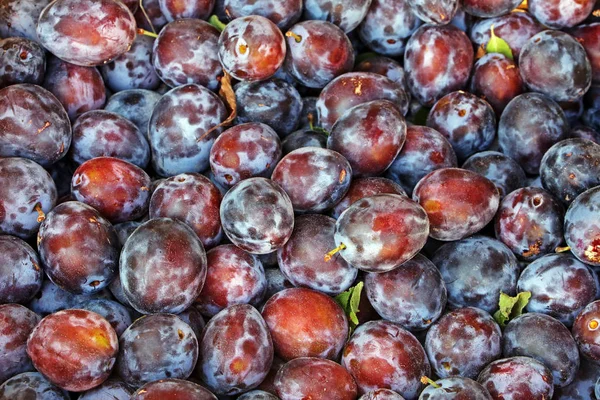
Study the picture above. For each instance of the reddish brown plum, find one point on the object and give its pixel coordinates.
(153, 13)
(79, 249)
(301, 259)
(589, 37)
(468, 122)
(387, 25)
(489, 9)
(385, 66)
(586, 333)
(133, 69)
(178, 388)
(347, 14)
(120, 191)
(496, 79)
(463, 342)
(317, 52)
(558, 14)
(86, 33)
(20, 273)
(136, 105)
(437, 61)
(19, 18)
(582, 230)
(354, 88)
(178, 126)
(458, 202)
(424, 151)
(370, 136)
(162, 267)
(544, 338)
(413, 295)
(103, 133)
(244, 151)
(251, 48)
(115, 313)
(560, 286)
(506, 174)
(27, 192)
(305, 323)
(517, 378)
(236, 351)
(567, 71)
(366, 187)
(33, 124)
(274, 102)
(515, 28)
(186, 52)
(456, 387)
(283, 13)
(75, 349)
(379, 233)
(381, 354)
(21, 61)
(381, 394)
(314, 378)
(435, 12)
(111, 389)
(233, 277)
(16, 323)
(179, 9)
(315, 179)
(154, 347)
(258, 227)
(193, 200)
(28, 384)
(530, 124)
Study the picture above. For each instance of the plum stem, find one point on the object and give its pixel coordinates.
(216, 22)
(41, 215)
(146, 16)
(144, 32)
(296, 37)
(427, 381)
(328, 256)
(228, 96)
(562, 249)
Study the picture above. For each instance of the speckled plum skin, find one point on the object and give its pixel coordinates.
(236, 351)
(75, 349)
(530, 124)
(86, 33)
(354, 88)
(381, 394)
(51, 299)
(413, 295)
(568, 72)
(585, 331)
(560, 285)
(162, 389)
(381, 232)
(517, 378)
(23, 186)
(133, 69)
(19, 18)
(544, 338)
(458, 202)
(162, 267)
(381, 354)
(186, 52)
(154, 347)
(114, 312)
(103, 133)
(16, 323)
(435, 12)
(233, 277)
(385, 66)
(314, 378)
(258, 227)
(28, 384)
(136, 105)
(274, 102)
(258, 395)
(305, 323)
(111, 389)
(558, 14)
(301, 259)
(177, 129)
(20, 273)
(283, 13)
(315, 179)
(475, 271)
(251, 48)
(455, 387)
(196, 9)
(322, 53)
(589, 37)
(582, 230)
(21, 61)
(244, 151)
(303, 137)
(366, 187)
(437, 61)
(506, 174)
(119, 190)
(489, 9)
(193, 200)
(34, 124)
(79, 249)
(347, 14)
(370, 136)
(468, 122)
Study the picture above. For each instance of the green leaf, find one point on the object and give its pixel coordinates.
(511, 307)
(349, 300)
(498, 45)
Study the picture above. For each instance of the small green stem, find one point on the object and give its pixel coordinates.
(427, 381)
(144, 32)
(216, 22)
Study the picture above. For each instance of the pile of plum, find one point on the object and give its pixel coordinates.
(299, 199)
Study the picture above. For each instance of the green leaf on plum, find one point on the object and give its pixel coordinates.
(349, 300)
(498, 45)
(511, 307)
